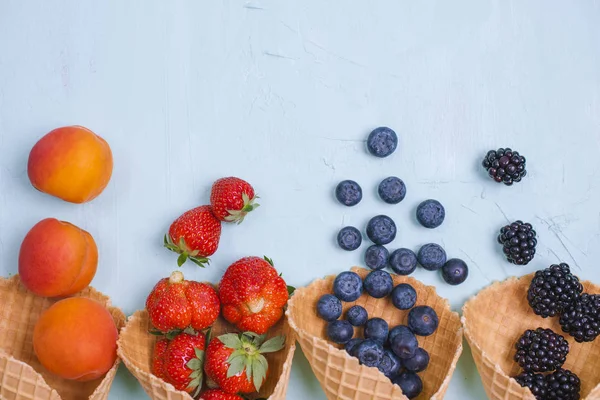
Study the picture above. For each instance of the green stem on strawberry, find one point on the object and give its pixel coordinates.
(238, 216)
(184, 253)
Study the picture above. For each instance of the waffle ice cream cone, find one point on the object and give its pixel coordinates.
(496, 318)
(21, 374)
(341, 376)
(136, 346)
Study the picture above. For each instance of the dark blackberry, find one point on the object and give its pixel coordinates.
(535, 382)
(552, 290)
(505, 165)
(541, 350)
(518, 241)
(582, 318)
(562, 385)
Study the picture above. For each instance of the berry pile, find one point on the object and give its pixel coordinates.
(505, 165)
(518, 242)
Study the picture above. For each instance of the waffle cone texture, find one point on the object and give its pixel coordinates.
(341, 376)
(22, 377)
(497, 317)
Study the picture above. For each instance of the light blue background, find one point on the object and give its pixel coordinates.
(282, 93)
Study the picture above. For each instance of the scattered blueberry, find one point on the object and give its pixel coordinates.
(357, 315)
(431, 256)
(352, 345)
(455, 271)
(419, 362)
(349, 193)
(410, 383)
(378, 284)
(348, 286)
(381, 229)
(403, 261)
(392, 190)
(431, 213)
(423, 320)
(404, 296)
(390, 364)
(382, 142)
(377, 329)
(398, 330)
(349, 238)
(340, 331)
(376, 257)
(369, 353)
(404, 344)
(329, 307)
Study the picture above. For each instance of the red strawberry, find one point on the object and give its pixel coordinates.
(235, 362)
(180, 361)
(232, 198)
(194, 235)
(176, 304)
(218, 394)
(252, 294)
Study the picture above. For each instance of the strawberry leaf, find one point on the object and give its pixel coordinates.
(270, 261)
(196, 374)
(199, 354)
(259, 373)
(236, 366)
(172, 334)
(200, 261)
(263, 361)
(231, 340)
(249, 369)
(272, 345)
(194, 364)
(182, 259)
(290, 290)
(155, 332)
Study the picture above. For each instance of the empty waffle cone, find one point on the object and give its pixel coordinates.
(136, 346)
(341, 376)
(497, 317)
(21, 374)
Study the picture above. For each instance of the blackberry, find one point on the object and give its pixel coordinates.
(518, 241)
(541, 350)
(552, 290)
(582, 318)
(505, 165)
(535, 382)
(562, 385)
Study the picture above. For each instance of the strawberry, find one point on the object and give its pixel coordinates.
(194, 235)
(180, 361)
(252, 294)
(235, 362)
(232, 198)
(176, 304)
(218, 394)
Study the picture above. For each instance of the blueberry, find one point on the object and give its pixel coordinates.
(352, 345)
(377, 329)
(403, 261)
(340, 331)
(404, 344)
(382, 142)
(398, 330)
(357, 315)
(369, 353)
(376, 257)
(392, 190)
(431, 213)
(378, 284)
(348, 286)
(349, 238)
(431, 256)
(455, 271)
(404, 296)
(419, 362)
(423, 320)
(410, 383)
(349, 193)
(329, 307)
(381, 229)
(390, 364)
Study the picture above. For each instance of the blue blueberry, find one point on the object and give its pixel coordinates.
(352, 345)
(392, 190)
(390, 364)
(404, 296)
(382, 142)
(377, 329)
(404, 344)
(349, 238)
(340, 331)
(349, 193)
(376, 257)
(455, 271)
(410, 383)
(431, 256)
(423, 320)
(403, 261)
(329, 307)
(369, 353)
(379, 284)
(398, 330)
(431, 213)
(357, 315)
(348, 286)
(419, 362)
(381, 229)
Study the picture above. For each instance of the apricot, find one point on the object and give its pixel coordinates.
(71, 163)
(57, 259)
(76, 338)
